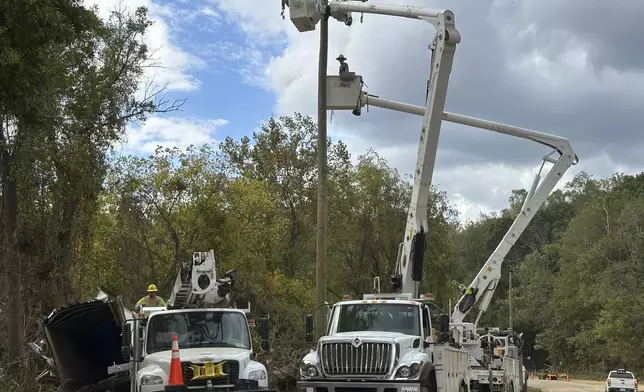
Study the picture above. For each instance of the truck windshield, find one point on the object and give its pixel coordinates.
(197, 329)
(402, 318)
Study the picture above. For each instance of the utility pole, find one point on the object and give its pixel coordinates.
(320, 282)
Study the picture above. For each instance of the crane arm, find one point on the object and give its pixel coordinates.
(482, 288)
(196, 284)
(305, 14)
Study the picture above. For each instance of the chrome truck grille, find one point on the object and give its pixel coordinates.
(370, 359)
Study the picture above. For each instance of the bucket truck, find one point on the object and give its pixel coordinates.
(481, 290)
(343, 359)
(214, 339)
(384, 342)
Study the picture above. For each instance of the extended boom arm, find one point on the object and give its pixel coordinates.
(305, 14)
(482, 288)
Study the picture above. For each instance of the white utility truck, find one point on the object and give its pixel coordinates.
(497, 363)
(384, 341)
(342, 348)
(200, 311)
(620, 380)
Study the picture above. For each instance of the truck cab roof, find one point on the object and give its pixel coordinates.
(185, 310)
(392, 302)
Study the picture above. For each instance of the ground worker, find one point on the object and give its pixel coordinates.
(152, 299)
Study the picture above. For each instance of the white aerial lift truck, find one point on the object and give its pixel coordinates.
(123, 352)
(343, 359)
(509, 375)
(384, 342)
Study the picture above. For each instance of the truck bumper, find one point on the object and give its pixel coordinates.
(214, 388)
(361, 386)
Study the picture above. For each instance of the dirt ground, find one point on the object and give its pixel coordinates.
(567, 386)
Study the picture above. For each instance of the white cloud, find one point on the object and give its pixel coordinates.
(515, 64)
(175, 64)
(171, 132)
(175, 72)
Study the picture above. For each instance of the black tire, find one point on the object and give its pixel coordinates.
(462, 388)
(511, 388)
(433, 384)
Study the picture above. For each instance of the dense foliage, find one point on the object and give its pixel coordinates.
(75, 217)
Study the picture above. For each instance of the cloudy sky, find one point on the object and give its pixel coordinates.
(574, 68)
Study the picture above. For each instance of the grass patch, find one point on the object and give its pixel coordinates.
(531, 389)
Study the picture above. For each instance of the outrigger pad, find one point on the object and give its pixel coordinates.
(343, 92)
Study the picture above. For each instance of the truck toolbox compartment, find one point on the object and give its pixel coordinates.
(85, 339)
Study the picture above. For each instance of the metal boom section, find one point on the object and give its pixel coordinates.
(305, 14)
(482, 288)
(344, 92)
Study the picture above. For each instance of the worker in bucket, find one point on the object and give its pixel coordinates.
(150, 300)
(344, 67)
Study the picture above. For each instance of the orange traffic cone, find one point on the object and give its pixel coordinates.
(175, 379)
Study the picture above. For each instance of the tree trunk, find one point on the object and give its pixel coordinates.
(11, 254)
(65, 252)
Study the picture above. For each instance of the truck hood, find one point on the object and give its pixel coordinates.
(368, 334)
(85, 339)
(199, 355)
(405, 341)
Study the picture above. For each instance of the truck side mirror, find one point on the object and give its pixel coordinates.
(264, 333)
(308, 327)
(443, 328)
(126, 335)
(126, 342)
(137, 351)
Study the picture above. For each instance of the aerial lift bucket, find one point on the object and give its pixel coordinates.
(175, 379)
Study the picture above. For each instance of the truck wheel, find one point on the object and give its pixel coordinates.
(462, 388)
(511, 389)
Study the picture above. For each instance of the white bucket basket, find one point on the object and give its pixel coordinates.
(343, 93)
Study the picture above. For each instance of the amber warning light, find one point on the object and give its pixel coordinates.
(427, 297)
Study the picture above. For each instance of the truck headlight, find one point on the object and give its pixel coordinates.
(410, 371)
(149, 379)
(259, 374)
(308, 371)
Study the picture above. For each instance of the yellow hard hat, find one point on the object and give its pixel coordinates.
(152, 288)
